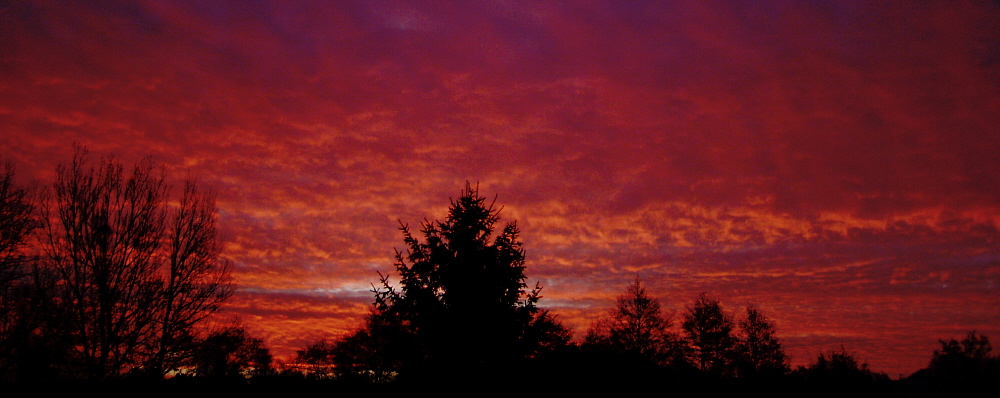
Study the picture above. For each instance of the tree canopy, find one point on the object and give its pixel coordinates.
(709, 331)
(231, 352)
(759, 350)
(463, 296)
(19, 301)
(965, 360)
(839, 367)
(636, 327)
(133, 274)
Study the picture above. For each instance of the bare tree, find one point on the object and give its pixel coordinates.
(197, 281)
(133, 280)
(102, 240)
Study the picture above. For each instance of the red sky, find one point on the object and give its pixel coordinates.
(835, 163)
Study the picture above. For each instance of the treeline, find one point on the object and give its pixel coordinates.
(463, 312)
(106, 276)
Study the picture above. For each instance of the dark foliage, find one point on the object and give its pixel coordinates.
(959, 367)
(17, 221)
(231, 353)
(759, 352)
(26, 352)
(963, 368)
(709, 332)
(462, 309)
(637, 329)
(837, 374)
(315, 360)
(839, 367)
(377, 353)
(967, 360)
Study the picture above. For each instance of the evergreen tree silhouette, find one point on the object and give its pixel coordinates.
(709, 331)
(760, 352)
(463, 306)
(636, 328)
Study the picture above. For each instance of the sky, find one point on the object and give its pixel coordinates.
(833, 163)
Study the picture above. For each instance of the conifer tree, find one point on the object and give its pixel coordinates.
(709, 331)
(760, 351)
(463, 301)
(636, 327)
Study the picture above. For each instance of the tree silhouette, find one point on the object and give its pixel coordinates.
(760, 352)
(839, 368)
(231, 353)
(636, 327)
(968, 360)
(375, 353)
(197, 281)
(462, 295)
(22, 304)
(16, 223)
(709, 331)
(317, 358)
(132, 279)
